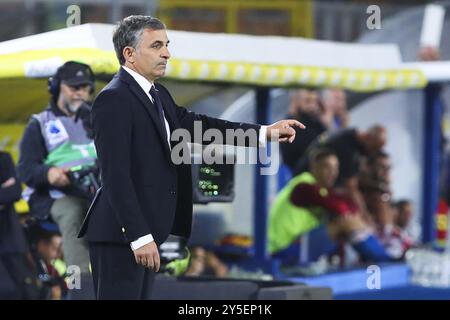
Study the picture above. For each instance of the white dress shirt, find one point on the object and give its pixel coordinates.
(146, 86)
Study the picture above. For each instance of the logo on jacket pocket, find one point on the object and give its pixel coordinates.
(56, 133)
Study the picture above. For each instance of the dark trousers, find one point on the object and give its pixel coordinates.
(116, 274)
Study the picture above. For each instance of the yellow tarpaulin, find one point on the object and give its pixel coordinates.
(105, 62)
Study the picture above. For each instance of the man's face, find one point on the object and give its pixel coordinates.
(308, 101)
(383, 168)
(150, 56)
(376, 139)
(404, 215)
(337, 100)
(326, 171)
(72, 97)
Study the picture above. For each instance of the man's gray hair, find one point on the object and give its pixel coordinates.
(128, 32)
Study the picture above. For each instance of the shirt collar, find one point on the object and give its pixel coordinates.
(143, 83)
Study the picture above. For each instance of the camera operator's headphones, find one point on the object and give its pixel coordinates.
(54, 82)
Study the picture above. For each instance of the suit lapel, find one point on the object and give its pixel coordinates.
(146, 104)
(169, 113)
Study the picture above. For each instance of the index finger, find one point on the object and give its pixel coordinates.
(295, 123)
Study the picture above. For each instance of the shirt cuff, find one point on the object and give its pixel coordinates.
(142, 241)
(262, 139)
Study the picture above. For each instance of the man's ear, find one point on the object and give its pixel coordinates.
(128, 54)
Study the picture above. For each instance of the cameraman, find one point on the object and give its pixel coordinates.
(54, 141)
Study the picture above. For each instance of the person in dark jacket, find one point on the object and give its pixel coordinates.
(145, 195)
(305, 107)
(13, 247)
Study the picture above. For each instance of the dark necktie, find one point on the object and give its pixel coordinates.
(158, 104)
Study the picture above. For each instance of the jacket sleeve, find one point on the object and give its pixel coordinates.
(12, 193)
(31, 168)
(112, 126)
(307, 195)
(188, 119)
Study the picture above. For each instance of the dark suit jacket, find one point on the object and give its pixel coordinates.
(12, 238)
(142, 190)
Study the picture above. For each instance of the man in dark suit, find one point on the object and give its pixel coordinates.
(144, 195)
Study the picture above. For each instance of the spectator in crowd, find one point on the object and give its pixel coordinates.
(405, 212)
(304, 107)
(350, 145)
(395, 239)
(374, 183)
(310, 200)
(403, 220)
(14, 270)
(375, 186)
(335, 100)
(46, 247)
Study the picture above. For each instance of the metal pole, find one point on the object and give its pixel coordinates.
(261, 182)
(432, 142)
